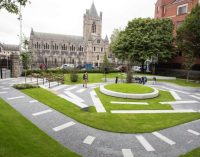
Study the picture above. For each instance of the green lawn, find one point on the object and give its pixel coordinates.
(182, 82)
(129, 88)
(99, 77)
(20, 138)
(93, 77)
(129, 123)
(193, 153)
(153, 103)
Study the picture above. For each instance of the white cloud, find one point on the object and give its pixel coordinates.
(66, 17)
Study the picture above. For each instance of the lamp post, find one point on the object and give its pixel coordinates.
(20, 33)
(154, 60)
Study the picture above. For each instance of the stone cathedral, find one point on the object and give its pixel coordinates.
(57, 49)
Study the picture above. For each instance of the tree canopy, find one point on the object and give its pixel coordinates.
(188, 34)
(144, 38)
(188, 38)
(12, 6)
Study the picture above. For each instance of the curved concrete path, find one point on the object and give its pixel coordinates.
(90, 142)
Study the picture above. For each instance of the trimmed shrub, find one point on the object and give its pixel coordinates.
(25, 86)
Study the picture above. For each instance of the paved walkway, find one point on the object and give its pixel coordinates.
(90, 142)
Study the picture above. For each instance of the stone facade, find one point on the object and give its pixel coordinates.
(56, 49)
(15, 68)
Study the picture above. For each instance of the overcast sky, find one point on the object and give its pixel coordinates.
(66, 16)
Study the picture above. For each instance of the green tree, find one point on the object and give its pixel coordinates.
(188, 38)
(120, 47)
(149, 38)
(12, 6)
(105, 64)
(25, 56)
(144, 38)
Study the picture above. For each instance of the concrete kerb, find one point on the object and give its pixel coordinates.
(80, 105)
(154, 94)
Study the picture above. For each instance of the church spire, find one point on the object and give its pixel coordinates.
(106, 39)
(93, 11)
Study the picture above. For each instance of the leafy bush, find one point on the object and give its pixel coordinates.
(60, 71)
(25, 86)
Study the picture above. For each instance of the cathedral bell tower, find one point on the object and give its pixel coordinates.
(92, 24)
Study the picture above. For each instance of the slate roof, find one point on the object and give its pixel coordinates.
(51, 36)
(9, 47)
(106, 39)
(93, 11)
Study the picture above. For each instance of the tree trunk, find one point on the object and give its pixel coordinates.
(142, 68)
(188, 75)
(153, 69)
(25, 75)
(129, 73)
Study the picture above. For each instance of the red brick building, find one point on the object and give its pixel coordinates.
(176, 10)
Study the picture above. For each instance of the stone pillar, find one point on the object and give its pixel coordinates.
(15, 65)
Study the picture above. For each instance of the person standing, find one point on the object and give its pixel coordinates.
(85, 79)
(154, 80)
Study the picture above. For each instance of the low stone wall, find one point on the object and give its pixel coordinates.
(154, 94)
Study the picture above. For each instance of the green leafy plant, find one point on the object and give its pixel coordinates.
(25, 86)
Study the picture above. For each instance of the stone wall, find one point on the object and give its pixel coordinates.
(15, 65)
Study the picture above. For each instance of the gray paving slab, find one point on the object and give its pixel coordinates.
(106, 144)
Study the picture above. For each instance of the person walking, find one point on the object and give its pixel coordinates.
(154, 80)
(85, 79)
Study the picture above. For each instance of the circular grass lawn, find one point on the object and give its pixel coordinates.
(129, 88)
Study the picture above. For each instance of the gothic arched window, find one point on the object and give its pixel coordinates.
(94, 27)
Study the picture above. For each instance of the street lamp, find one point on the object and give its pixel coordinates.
(154, 60)
(20, 36)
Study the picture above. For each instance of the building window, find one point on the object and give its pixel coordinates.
(64, 47)
(55, 61)
(93, 27)
(0, 49)
(45, 61)
(182, 9)
(102, 49)
(164, 10)
(97, 57)
(72, 61)
(157, 9)
(46, 46)
(98, 41)
(94, 49)
(37, 45)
